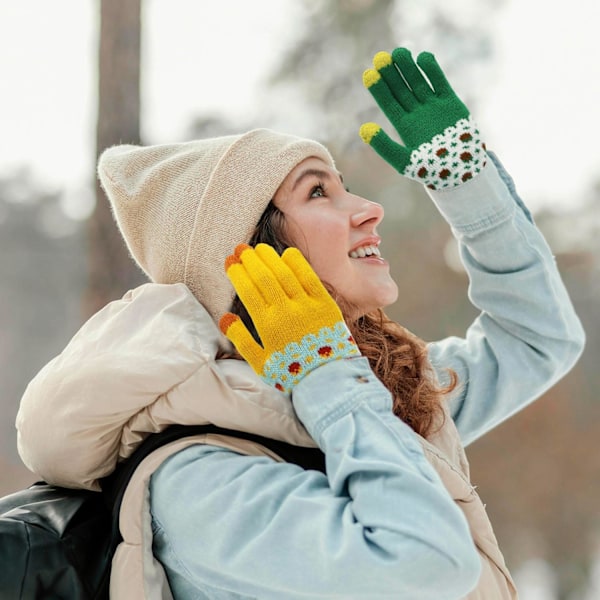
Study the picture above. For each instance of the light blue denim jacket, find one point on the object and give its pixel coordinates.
(380, 524)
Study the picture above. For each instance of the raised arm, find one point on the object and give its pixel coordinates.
(528, 335)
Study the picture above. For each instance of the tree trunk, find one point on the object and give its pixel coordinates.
(111, 270)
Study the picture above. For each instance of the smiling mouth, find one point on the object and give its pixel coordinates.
(365, 252)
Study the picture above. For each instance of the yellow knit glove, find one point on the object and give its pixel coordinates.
(300, 325)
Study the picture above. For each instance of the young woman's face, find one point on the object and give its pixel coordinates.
(336, 232)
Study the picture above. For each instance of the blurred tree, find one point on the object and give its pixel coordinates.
(111, 270)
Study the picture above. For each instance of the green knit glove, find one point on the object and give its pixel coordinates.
(442, 146)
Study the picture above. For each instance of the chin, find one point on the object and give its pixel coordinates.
(365, 309)
(388, 297)
(383, 295)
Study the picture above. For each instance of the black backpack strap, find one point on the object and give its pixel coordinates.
(113, 487)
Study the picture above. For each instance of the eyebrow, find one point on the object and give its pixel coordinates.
(314, 173)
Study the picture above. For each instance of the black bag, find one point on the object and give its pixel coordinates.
(58, 543)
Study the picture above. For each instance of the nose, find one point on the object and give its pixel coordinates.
(366, 212)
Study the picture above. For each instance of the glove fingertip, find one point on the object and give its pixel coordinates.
(381, 60)
(237, 333)
(235, 258)
(293, 255)
(263, 249)
(368, 131)
(370, 78)
(240, 248)
(426, 60)
(426, 56)
(429, 64)
(401, 54)
(231, 260)
(299, 264)
(226, 321)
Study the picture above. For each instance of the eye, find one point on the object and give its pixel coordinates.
(318, 191)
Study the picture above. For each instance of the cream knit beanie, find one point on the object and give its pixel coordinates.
(182, 208)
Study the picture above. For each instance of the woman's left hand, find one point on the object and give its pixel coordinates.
(442, 145)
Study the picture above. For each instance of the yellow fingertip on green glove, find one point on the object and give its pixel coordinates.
(370, 77)
(368, 131)
(382, 60)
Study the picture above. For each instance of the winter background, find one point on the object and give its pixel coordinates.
(535, 94)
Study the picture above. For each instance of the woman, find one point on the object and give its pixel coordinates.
(395, 515)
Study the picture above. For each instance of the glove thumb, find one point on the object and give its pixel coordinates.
(237, 333)
(397, 155)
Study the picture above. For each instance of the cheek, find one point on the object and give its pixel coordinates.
(313, 235)
(325, 268)
(327, 254)
(323, 241)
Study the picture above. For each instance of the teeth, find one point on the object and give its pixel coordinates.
(365, 251)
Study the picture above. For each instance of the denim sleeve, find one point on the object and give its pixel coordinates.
(527, 336)
(380, 524)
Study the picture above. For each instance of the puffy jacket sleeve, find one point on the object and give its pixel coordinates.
(527, 335)
(73, 413)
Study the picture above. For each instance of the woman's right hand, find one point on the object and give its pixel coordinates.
(300, 325)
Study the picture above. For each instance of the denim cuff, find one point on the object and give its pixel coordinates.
(336, 389)
(480, 204)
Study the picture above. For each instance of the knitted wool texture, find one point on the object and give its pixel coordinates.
(182, 208)
(286, 290)
(442, 146)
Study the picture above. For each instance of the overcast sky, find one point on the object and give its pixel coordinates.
(540, 113)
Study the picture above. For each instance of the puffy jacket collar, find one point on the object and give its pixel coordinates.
(140, 364)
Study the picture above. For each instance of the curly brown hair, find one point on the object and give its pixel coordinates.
(398, 358)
